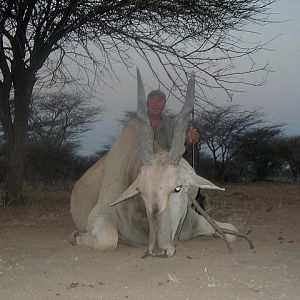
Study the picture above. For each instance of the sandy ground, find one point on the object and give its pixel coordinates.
(37, 261)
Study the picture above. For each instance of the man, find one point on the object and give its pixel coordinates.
(163, 129)
(163, 125)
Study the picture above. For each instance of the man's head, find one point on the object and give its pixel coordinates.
(156, 102)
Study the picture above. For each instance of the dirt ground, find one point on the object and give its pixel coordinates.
(37, 261)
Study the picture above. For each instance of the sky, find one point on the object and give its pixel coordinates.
(279, 98)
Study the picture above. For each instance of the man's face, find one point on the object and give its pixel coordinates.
(155, 105)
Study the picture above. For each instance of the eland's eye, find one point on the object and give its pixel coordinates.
(178, 189)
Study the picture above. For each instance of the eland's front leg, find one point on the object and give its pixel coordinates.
(101, 234)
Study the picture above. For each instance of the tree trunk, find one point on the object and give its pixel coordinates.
(15, 165)
(16, 138)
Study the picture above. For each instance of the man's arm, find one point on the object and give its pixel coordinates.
(192, 135)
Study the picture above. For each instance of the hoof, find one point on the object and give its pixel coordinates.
(73, 237)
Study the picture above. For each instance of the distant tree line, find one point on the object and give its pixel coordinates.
(239, 146)
(236, 144)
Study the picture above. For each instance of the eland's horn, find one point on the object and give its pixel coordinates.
(146, 132)
(179, 133)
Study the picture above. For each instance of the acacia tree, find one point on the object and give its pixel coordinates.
(57, 118)
(259, 148)
(40, 38)
(50, 164)
(56, 123)
(221, 128)
(289, 152)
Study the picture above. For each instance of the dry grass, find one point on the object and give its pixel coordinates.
(239, 203)
(43, 203)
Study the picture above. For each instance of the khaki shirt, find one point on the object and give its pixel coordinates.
(163, 133)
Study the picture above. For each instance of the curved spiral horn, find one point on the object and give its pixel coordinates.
(179, 133)
(146, 132)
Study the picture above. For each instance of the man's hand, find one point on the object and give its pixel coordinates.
(193, 135)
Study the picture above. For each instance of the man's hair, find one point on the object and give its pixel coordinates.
(158, 93)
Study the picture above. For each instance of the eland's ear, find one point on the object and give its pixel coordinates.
(131, 191)
(203, 183)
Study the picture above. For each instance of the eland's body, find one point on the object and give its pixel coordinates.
(140, 196)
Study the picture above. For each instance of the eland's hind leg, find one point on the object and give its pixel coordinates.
(102, 234)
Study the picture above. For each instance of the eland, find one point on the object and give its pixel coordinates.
(139, 194)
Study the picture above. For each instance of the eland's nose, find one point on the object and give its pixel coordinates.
(158, 252)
